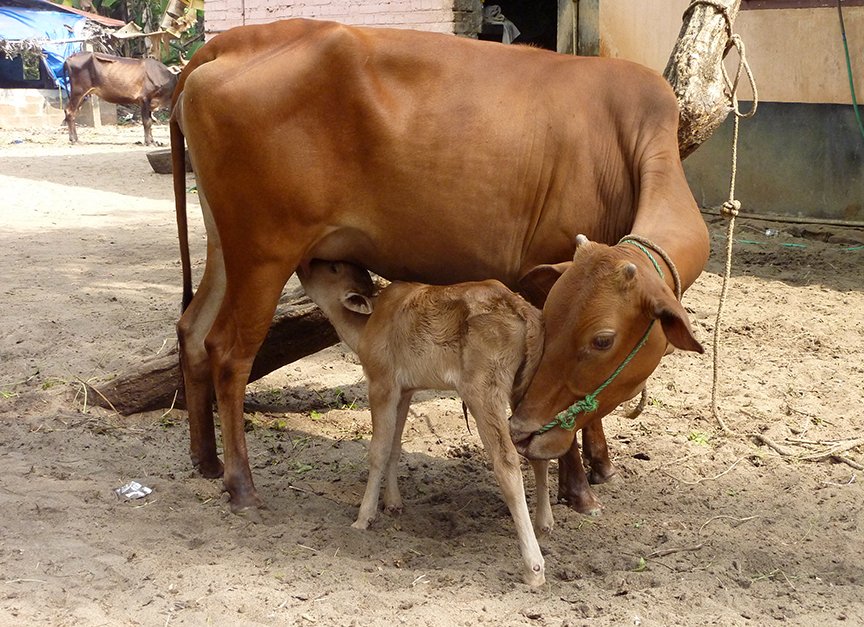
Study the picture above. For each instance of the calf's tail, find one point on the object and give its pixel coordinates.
(178, 167)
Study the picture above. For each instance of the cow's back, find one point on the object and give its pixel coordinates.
(444, 337)
(398, 139)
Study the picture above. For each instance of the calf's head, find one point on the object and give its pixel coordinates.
(344, 292)
(609, 317)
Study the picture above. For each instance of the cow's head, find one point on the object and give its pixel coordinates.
(609, 317)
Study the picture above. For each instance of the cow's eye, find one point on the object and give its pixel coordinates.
(603, 341)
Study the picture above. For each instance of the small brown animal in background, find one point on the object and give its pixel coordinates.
(479, 339)
(118, 80)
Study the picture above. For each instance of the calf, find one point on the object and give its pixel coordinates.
(119, 80)
(479, 339)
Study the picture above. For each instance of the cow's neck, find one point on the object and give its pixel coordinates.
(682, 235)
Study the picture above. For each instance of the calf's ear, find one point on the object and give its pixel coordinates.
(359, 303)
(537, 282)
(676, 323)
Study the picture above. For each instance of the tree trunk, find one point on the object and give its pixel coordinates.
(694, 71)
(300, 329)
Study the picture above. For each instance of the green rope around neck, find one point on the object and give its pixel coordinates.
(566, 419)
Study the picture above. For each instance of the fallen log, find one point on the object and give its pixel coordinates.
(298, 329)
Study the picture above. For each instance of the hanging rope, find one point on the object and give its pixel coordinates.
(732, 206)
(849, 69)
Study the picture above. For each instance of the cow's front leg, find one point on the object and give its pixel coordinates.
(596, 453)
(573, 487)
(147, 121)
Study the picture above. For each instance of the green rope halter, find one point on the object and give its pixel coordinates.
(566, 419)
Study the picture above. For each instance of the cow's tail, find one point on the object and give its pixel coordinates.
(178, 168)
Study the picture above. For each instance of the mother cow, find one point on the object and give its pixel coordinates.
(440, 159)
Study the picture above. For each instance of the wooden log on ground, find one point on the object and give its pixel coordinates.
(299, 329)
(695, 73)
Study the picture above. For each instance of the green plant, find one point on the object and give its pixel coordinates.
(698, 437)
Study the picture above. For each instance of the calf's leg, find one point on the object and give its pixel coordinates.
(392, 498)
(491, 416)
(384, 402)
(543, 519)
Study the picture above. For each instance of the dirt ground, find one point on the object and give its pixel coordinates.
(700, 527)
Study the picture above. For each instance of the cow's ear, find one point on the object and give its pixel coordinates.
(535, 285)
(359, 303)
(676, 323)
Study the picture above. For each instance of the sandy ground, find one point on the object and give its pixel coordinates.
(700, 528)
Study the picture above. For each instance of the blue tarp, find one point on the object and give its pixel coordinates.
(47, 27)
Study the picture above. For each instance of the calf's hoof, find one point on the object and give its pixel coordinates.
(393, 510)
(544, 528)
(535, 576)
(363, 525)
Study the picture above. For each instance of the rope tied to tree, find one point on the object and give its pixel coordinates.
(732, 206)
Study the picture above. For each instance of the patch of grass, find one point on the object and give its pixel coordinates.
(6, 394)
(641, 564)
(301, 469)
(699, 438)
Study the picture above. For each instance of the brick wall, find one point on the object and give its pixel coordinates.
(442, 16)
(25, 108)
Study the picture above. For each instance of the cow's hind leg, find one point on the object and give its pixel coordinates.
(573, 487)
(252, 291)
(147, 122)
(596, 453)
(491, 416)
(72, 107)
(192, 329)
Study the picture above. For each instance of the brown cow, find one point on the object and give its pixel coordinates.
(434, 158)
(479, 339)
(119, 80)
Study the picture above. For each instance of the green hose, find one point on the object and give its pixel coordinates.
(849, 70)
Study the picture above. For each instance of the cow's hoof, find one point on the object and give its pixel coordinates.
(602, 474)
(246, 505)
(211, 469)
(544, 529)
(362, 525)
(584, 503)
